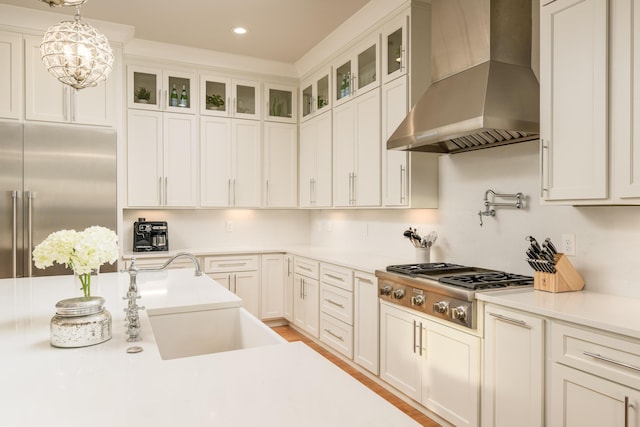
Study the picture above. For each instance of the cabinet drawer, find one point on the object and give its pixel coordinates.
(337, 335)
(220, 264)
(337, 276)
(306, 267)
(337, 303)
(608, 356)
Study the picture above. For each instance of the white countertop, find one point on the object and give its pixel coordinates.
(601, 311)
(278, 385)
(360, 261)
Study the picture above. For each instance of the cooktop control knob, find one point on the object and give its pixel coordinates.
(417, 300)
(459, 313)
(386, 290)
(440, 307)
(398, 294)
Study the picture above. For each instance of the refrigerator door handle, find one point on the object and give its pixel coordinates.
(14, 244)
(30, 195)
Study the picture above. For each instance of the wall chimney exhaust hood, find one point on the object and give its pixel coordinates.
(484, 92)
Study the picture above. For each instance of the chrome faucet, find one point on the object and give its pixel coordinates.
(132, 319)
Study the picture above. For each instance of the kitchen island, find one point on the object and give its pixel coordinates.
(280, 385)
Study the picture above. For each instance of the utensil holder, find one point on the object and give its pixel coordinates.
(423, 255)
(565, 279)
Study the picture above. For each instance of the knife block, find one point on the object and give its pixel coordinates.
(565, 279)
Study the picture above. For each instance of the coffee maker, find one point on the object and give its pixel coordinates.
(150, 236)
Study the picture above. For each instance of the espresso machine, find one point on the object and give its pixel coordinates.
(150, 236)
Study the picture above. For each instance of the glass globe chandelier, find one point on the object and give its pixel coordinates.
(74, 52)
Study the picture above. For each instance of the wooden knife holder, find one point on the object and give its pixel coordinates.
(565, 279)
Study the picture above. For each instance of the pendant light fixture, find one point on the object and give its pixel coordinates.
(74, 52)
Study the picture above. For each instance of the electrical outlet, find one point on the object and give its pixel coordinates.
(229, 226)
(568, 244)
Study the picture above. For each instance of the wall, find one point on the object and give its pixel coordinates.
(607, 238)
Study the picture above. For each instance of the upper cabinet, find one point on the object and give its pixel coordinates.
(357, 71)
(315, 94)
(395, 48)
(281, 103)
(225, 97)
(46, 99)
(161, 90)
(588, 80)
(10, 75)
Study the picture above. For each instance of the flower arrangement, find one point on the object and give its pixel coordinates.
(81, 251)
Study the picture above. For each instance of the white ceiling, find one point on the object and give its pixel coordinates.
(280, 30)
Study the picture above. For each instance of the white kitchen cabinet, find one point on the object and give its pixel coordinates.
(161, 159)
(240, 274)
(273, 286)
(513, 368)
(160, 83)
(366, 324)
(241, 98)
(281, 103)
(336, 308)
(315, 94)
(357, 151)
(434, 364)
(46, 99)
(315, 181)
(229, 162)
(410, 179)
(357, 71)
(288, 288)
(306, 296)
(280, 165)
(395, 54)
(11, 71)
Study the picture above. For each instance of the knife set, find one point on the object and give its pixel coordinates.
(553, 270)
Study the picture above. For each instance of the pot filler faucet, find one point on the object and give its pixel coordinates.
(489, 205)
(132, 319)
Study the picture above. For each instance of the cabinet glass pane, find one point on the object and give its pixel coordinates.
(367, 67)
(145, 88)
(394, 51)
(343, 80)
(179, 97)
(323, 92)
(216, 96)
(280, 103)
(246, 99)
(307, 100)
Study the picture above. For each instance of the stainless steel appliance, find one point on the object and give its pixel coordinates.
(150, 236)
(443, 290)
(52, 177)
(484, 92)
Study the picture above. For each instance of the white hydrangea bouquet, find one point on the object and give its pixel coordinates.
(81, 251)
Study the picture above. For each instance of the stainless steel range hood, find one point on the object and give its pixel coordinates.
(484, 93)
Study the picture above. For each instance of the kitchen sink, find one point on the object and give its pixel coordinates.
(210, 331)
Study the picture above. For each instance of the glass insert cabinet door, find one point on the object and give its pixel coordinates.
(357, 72)
(315, 94)
(215, 96)
(394, 49)
(281, 103)
(161, 90)
(246, 99)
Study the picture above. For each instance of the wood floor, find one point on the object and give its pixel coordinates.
(291, 334)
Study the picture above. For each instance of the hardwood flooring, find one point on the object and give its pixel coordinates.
(291, 334)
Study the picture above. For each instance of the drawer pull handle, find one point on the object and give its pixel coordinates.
(233, 264)
(334, 335)
(362, 279)
(304, 268)
(612, 361)
(510, 320)
(626, 411)
(331, 276)
(334, 303)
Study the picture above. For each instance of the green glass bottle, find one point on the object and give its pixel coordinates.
(174, 97)
(184, 99)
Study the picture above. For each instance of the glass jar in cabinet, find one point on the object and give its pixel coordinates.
(357, 72)
(315, 94)
(281, 103)
(161, 90)
(215, 96)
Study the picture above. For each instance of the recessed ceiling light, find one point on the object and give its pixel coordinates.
(239, 30)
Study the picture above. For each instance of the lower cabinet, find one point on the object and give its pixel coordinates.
(306, 296)
(366, 330)
(336, 306)
(272, 286)
(287, 310)
(432, 363)
(240, 274)
(513, 369)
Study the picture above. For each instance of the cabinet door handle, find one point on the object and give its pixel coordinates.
(235, 284)
(402, 59)
(626, 411)
(304, 290)
(544, 154)
(160, 190)
(334, 335)
(414, 337)
(337, 304)
(612, 361)
(402, 185)
(510, 320)
(420, 338)
(288, 267)
(234, 192)
(166, 185)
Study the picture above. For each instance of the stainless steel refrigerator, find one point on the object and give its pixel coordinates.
(52, 177)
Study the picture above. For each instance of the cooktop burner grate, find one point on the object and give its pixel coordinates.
(487, 280)
(428, 268)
